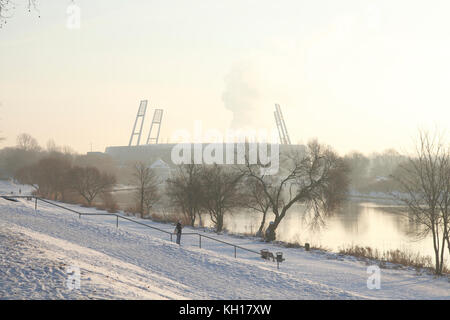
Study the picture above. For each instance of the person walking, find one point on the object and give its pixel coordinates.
(177, 230)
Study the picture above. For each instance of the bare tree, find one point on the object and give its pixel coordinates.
(444, 201)
(220, 192)
(147, 187)
(51, 147)
(256, 200)
(12, 159)
(151, 196)
(359, 168)
(383, 164)
(424, 190)
(49, 176)
(184, 191)
(27, 175)
(27, 142)
(68, 150)
(318, 179)
(89, 182)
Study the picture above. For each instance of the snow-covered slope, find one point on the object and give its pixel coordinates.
(135, 262)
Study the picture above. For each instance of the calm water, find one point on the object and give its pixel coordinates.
(370, 224)
(359, 223)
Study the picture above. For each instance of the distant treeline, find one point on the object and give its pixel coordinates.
(374, 173)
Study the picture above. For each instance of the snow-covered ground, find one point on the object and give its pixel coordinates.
(135, 262)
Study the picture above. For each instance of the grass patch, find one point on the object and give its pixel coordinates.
(162, 216)
(401, 257)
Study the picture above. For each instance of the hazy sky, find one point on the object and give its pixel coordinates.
(358, 75)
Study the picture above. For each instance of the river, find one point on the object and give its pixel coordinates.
(363, 223)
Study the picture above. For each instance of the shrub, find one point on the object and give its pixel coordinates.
(401, 257)
(108, 203)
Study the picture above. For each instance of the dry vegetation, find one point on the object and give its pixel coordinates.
(401, 257)
(318, 179)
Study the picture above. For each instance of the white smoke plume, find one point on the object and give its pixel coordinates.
(242, 95)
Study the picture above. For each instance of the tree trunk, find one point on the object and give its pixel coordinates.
(277, 221)
(200, 219)
(141, 209)
(436, 253)
(261, 227)
(448, 241)
(192, 216)
(219, 223)
(441, 266)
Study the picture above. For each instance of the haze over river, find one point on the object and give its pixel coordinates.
(379, 226)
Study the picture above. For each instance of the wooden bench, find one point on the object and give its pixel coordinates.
(267, 255)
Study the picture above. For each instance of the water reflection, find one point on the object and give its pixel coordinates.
(379, 226)
(356, 223)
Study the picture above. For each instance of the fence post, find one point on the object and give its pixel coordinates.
(171, 234)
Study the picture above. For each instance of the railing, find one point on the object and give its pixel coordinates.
(7, 197)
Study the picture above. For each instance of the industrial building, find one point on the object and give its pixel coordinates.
(153, 151)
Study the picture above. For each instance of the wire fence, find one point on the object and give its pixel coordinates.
(118, 217)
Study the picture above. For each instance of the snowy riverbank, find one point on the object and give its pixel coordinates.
(135, 262)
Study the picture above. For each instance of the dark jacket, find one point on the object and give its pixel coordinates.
(178, 228)
(270, 234)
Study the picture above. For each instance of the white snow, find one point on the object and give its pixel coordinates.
(135, 262)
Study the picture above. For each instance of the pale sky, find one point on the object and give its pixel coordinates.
(358, 75)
